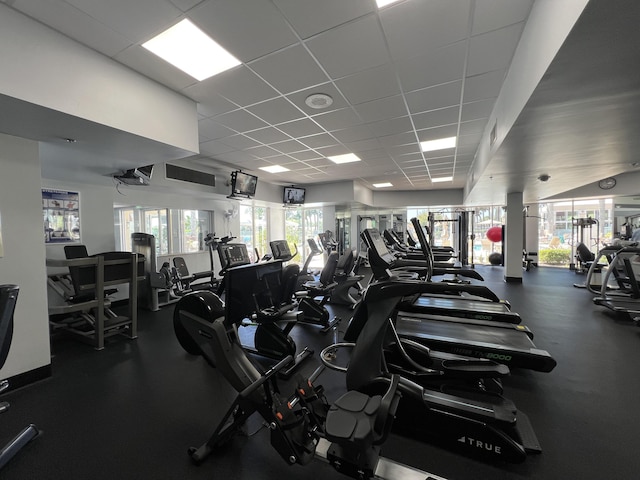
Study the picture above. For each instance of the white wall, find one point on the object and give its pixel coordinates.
(24, 254)
(96, 217)
(420, 198)
(44, 71)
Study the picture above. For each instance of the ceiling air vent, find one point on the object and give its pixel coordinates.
(188, 175)
(493, 134)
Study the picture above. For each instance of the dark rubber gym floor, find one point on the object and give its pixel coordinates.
(132, 410)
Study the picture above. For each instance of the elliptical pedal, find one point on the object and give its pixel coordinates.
(528, 436)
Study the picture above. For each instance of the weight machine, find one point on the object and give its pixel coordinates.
(583, 256)
(462, 230)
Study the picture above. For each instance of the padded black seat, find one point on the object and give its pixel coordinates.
(352, 418)
(326, 283)
(357, 425)
(188, 280)
(346, 279)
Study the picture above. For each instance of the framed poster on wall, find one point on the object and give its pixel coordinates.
(61, 214)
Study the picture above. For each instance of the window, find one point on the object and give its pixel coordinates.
(176, 231)
(254, 228)
(558, 235)
(293, 228)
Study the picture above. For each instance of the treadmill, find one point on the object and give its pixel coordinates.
(626, 300)
(513, 347)
(483, 305)
(509, 344)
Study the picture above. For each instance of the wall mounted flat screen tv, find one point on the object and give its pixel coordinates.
(293, 196)
(243, 184)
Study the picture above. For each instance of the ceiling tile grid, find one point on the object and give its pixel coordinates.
(409, 72)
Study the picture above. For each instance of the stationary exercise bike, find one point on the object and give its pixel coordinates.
(265, 302)
(348, 433)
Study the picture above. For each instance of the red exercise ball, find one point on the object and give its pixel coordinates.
(494, 234)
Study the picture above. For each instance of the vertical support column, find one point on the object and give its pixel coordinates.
(514, 238)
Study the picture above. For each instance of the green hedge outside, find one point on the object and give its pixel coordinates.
(554, 256)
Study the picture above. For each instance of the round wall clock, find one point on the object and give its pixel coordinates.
(607, 183)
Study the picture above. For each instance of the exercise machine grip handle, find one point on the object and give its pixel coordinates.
(266, 376)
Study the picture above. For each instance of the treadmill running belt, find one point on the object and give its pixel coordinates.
(509, 346)
(463, 307)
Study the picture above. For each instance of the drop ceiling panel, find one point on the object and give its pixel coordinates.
(239, 142)
(437, 132)
(484, 85)
(473, 127)
(391, 126)
(376, 110)
(406, 152)
(434, 118)
(239, 85)
(305, 155)
(262, 152)
(477, 110)
(331, 151)
(246, 28)
(354, 134)
(288, 146)
(240, 121)
(212, 130)
(278, 110)
(185, 5)
(494, 14)
(75, 23)
(290, 70)
(268, 135)
(432, 25)
(310, 17)
(350, 48)
(317, 141)
(395, 140)
(213, 105)
(338, 119)
(375, 83)
(493, 50)
(138, 21)
(433, 98)
(301, 128)
(279, 159)
(421, 72)
(363, 145)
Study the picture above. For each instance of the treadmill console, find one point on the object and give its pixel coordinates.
(233, 255)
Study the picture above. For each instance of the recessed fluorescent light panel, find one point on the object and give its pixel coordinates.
(346, 158)
(439, 144)
(275, 169)
(384, 3)
(191, 50)
(383, 185)
(441, 179)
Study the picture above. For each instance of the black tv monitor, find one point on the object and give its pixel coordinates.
(243, 184)
(293, 196)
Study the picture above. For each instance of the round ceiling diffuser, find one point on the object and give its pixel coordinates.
(318, 101)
